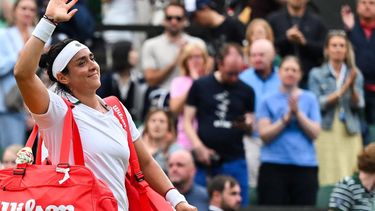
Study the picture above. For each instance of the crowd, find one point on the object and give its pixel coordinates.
(268, 102)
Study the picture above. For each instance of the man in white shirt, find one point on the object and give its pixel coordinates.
(160, 54)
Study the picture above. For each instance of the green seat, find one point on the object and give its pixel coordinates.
(253, 196)
(323, 196)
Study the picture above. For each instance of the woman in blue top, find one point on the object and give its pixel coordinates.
(289, 122)
(339, 86)
(12, 39)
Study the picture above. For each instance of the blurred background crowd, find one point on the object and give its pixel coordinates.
(267, 92)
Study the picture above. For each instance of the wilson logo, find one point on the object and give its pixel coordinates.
(119, 113)
(30, 205)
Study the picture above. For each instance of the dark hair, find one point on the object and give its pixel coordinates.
(218, 184)
(224, 51)
(168, 114)
(120, 56)
(366, 160)
(175, 4)
(47, 59)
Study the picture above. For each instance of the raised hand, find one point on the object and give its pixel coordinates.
(58, 10)
(347, 17)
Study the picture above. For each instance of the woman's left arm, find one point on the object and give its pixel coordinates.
(155, 176)
(357, 96)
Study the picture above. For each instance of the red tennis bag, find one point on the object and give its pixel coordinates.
(140, 195)
(55, 187)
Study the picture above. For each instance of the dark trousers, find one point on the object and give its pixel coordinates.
(287, 185)
(370, 103)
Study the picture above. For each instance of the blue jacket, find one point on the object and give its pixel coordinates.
(322, 82)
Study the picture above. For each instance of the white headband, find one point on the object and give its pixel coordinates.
(65, 56)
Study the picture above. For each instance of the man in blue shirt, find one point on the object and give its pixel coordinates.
(263, 78)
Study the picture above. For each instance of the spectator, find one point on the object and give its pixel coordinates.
(10, 156)
(224, 193)
(12, 40)
(181, 171)
(193, 63)
(160, 55)
(361, 33)
(357, 192)
(263, 78)
(123, 82)
(259, 29)
(338, 84)
(217, 28)
(159, 135)
(223, 106)
(5, 13)
(299, 32)
(289, 122)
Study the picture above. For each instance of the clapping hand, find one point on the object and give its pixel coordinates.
(349, 83)
(295, 35)
(58, 10)
(293, 104)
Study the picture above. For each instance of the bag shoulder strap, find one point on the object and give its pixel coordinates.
(70, 132)
(119, 112)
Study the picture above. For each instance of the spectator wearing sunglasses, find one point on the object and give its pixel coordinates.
(160, 54)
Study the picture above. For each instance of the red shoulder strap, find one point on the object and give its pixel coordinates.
(121, 116)
(70, 132)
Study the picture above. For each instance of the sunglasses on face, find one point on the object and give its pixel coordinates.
(177, 18)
